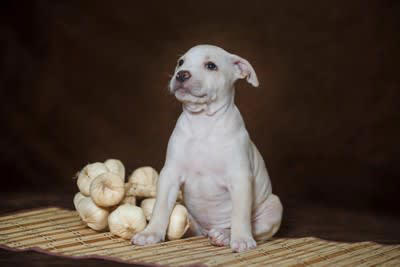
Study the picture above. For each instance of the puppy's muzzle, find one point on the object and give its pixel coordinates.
(183, 75)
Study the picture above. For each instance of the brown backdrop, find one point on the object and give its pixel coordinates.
(83, 81)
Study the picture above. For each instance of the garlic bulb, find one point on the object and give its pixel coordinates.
(78, 197)
(107, 189)
(126, 221)
(143, 182)
(178, 222)
(147, 206)
(88, 173)
(95, 217)
(116, 166)
(129, 200)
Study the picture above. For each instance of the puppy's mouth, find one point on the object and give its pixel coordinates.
(182, 91)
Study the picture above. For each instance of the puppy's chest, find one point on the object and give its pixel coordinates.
(203, 167)
(202, 158)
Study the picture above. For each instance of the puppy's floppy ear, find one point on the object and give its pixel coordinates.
(243, 69)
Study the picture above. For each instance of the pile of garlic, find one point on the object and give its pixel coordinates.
(106, 201)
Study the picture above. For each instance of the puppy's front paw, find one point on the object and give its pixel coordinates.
(146, 238)
(242, 244)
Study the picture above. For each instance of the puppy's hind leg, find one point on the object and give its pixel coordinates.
(266, 224)
(194, 228)
(219, 237)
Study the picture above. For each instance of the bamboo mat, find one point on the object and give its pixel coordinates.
(60, 232)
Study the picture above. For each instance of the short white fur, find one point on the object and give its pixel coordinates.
(226, 187)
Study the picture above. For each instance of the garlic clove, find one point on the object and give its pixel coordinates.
(143, 182)
(87, 175)
(141, 191)
(178, 222)
(78, 197)
(129, 200)
(96, 169)
(144, 175)
(107, 189)
(116, 166)
(126, 221)
(147, 206)
(95, 217)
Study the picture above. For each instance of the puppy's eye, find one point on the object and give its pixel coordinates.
(211, 66)
(180, 62)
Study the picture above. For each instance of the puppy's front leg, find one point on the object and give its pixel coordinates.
(241, 232)
(167, 192)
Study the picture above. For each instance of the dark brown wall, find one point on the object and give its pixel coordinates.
(82, 81)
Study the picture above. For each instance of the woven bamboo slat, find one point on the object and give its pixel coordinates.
(60, 232)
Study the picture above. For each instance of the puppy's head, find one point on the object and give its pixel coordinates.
(207, 73)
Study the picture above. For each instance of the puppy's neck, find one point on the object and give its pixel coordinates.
(221, 119)
(214, 108)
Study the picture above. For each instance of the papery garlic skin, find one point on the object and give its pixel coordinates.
(95, 217)
(78, 197)
(129, 200)
(141, 191)
(116, 166)
(178, 222)
(143, 182)
(147, 206)
(107, 189)
(126, 221)
(105, 200)
(87, 175)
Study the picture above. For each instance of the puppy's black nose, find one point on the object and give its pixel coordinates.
(183, 75)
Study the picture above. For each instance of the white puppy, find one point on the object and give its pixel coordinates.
(224, 180)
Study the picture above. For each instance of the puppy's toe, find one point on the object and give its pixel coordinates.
(219, 237)
(243, 244)
(144, 238)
